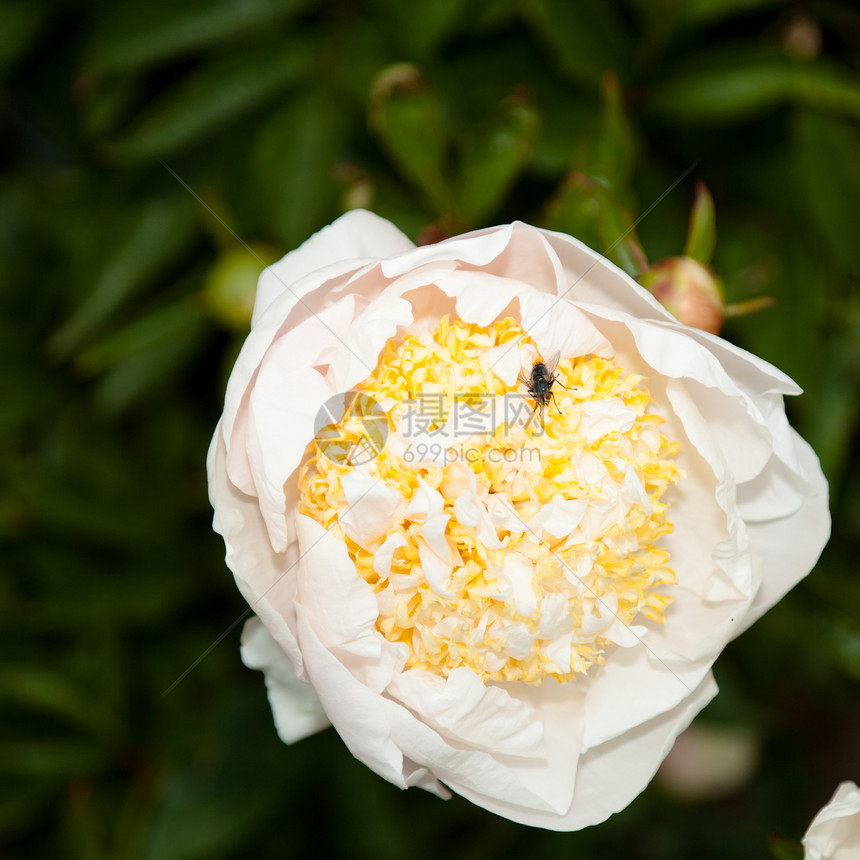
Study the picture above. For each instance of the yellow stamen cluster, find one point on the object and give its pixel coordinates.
(526, 550)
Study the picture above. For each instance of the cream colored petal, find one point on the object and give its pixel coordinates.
(466, 711)
(372, 508)
(549, 781)
(611, 775)
(790, 546)
(356, 236)
(518, 572)
(471, 512)
(357, 712)
(522, 783)
(834, 833)
(635, 686)
(560, 516)
(295, 704)
(342, 608)
(383, 556)
(598, 418)
(436, 567)
(266, 579)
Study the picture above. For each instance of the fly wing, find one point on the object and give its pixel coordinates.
(524, 379)
(552, 362)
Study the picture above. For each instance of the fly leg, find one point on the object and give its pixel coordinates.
(538, 407)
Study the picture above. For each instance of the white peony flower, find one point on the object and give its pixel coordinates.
(523, 608)
(835, 832)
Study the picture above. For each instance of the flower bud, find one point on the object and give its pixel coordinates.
(689, 290)
(231, 284)
(709, 762)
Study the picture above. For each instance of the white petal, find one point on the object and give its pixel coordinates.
(592, 279)
(433, 532)
(295, 704)
(737, 427)
(466, 711)
(517, 639)
(555, 616)
(834, 833)
(504, 515)
(633, 492)
(610, 776)
(425, 504)
(613, 774)
(383, 556)
(358, 712)
(518, 572)
(559, 651)
(266, 579)
(598, 418)
(520, 783)
(437, 569)
(460, 248)
(550, 781)
(342, 607)
(634, 686)
(371, 510)
(791, 545)
(470, 511)
(625, 635)
(560, 516)
(503, 361)
(356, 236)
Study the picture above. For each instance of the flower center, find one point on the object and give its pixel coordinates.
(516, 540)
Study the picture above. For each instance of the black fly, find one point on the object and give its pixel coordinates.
(540, 381)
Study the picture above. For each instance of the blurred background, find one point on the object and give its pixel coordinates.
(157, 154)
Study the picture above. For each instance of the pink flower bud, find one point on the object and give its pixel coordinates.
(689, 290)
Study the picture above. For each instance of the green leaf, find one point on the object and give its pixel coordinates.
(212, 96)
(421, 25)
(620, 241)
(607, 150)
(143, 355)
(295, 187)
(493, 158)
(23, 801)
(20, 23)
(575, 211)
(587, 38)
(208, 809)
(105, 104)
(48, 692)
(842, 638)
(407, 117)
(785, 849)
(702, 231)
(54, 758)
(832, 423)
(828, 169)
(587, 208)
(704, 12)
(144, 32)
(740, 89)
(158, 230)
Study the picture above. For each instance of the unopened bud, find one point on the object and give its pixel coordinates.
(710, 761)
(231, 284)
(689, 290)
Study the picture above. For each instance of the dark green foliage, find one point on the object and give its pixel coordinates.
(440, 113)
